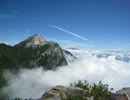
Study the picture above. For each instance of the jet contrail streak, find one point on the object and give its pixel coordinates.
(71, 33)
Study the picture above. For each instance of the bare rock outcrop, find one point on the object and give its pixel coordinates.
(34, 41)
(62, 93)
(115, 96)
(122, 94)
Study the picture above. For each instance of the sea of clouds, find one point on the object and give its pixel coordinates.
(111, 67)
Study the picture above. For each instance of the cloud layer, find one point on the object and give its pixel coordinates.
(33, 83)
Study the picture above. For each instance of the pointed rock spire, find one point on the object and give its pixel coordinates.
(34, 40)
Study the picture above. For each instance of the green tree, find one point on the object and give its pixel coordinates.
(100, 91)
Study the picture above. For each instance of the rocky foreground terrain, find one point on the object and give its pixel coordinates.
(71, 93)
(64, 93)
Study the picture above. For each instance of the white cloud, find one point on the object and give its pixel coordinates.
(33, 83)
(4, 42)
(74, 34)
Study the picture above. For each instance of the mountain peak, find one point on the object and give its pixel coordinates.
(36, 35)
(34, 40)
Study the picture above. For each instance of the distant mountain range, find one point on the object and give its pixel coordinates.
(70, 48)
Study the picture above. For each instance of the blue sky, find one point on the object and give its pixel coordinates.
(104, 22)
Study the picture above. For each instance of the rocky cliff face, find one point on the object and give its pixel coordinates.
(122, 94)
(32, 52)
(115, 96)
(33, 41)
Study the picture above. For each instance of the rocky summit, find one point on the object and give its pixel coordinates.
(34, 41)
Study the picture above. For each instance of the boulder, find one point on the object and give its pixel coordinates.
(115, 96)
(62, 93)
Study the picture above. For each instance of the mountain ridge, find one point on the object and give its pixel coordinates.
(33, 52)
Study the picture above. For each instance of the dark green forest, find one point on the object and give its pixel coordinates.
(15, 57)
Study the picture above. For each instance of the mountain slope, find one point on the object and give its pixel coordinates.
(32, 52)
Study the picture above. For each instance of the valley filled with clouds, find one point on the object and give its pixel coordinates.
(109, 66)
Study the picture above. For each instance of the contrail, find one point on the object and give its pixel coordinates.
(76, 35)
